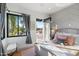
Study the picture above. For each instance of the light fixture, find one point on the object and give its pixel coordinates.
(49, 8)
(69, 25)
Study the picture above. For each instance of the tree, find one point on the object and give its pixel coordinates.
(14, 28)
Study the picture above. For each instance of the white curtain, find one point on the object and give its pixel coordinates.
(47, 30)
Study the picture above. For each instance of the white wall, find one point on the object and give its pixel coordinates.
(33, 16)
(67, 16)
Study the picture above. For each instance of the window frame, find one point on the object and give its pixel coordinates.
(18, 26)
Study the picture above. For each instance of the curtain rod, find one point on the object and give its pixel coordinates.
(14, 11)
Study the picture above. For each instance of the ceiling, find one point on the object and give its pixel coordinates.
(47, 8)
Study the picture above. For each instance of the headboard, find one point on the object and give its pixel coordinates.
(68, 30)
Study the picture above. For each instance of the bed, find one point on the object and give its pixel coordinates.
(63, 34)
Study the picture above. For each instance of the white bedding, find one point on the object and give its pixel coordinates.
(57, 51)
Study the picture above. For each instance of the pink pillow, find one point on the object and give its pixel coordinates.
(61, 37)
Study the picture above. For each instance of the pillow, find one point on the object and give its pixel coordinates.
(61, 37)
(11, 48)
(5, 44)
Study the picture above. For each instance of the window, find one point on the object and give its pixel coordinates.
(15, 25)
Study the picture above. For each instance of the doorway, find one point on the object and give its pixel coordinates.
(42, 30)
(39, 30)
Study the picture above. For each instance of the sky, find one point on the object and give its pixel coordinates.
(39, 24)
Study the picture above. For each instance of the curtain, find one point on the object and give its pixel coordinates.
(27, 26)
(2, 25)
(47, 29)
